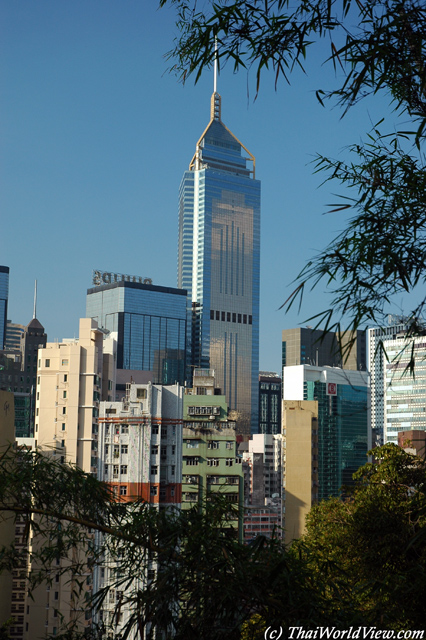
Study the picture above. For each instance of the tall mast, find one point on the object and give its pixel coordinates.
(35, 299)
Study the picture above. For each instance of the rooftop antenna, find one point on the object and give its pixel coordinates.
(215, 66)
(215, 108)
(35, 300)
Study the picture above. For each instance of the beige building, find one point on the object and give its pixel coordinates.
(72, 378)
(300, 464)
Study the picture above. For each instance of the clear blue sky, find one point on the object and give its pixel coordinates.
(96, 135)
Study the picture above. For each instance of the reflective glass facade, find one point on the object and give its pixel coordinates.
(4, 294)
(342, 434)
(150, 323)
(219, 264)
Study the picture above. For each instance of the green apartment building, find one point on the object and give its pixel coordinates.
(210, 464)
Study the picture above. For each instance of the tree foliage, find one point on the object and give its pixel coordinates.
(373, 545)
(362, 561)
(380, 46)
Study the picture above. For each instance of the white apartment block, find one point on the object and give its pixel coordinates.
(140, 457)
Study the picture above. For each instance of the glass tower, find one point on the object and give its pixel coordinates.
(150, 323)
(4, 294)
(219, 264)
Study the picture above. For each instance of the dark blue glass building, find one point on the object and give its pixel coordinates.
(219, 264)
(150, 326)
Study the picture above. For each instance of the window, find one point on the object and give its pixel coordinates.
(141, 393)
(56, 595)
(162, 492)
(172, 470)
(123, 490)
(154, 430)
(124, 428)
(106, 449)
(229, 462)
(123, 469)
(64, 410)
(213, 444)
(64, 394)
(234, 317)
(163, 452)
(38, 379)
(65, 378)
(223, 316)
(65, 363)
(217, 315)
(164, 432)
(173, 449)
(154, 491)
(154, 449)
(62, 443)
(211, 314)
(229, 444)
(47, 363)
(191, 460)
(63, 426)
(192, 444)
(106, 469)
(154, 470)
(124, 449)
(115, 470)
(228, 316)
(212, 462)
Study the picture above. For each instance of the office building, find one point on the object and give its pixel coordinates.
(149, 324)
(219, 264)
(210, 462)
(7, 525)
(343, 433)
(13, 335)
(404, 390)
(270, 390)
(377, 339)
(315, 347)
(4, 295)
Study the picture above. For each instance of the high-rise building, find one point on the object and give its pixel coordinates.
(304, 345)
(4, 295)
(377, 338)
(343, 431)
(13, 335)
(404, 392)
(219, 264)
(270, 391)
(150, 325)
(210, 464)
(69, 390)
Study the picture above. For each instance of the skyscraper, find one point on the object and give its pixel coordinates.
(219, 263)
(149, 323)
(4, 294)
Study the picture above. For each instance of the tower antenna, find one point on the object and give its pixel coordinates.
(215, 66)
(35, 299)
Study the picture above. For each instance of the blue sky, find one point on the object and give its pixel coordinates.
(96, 135)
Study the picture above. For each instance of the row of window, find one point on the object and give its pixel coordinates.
(228, 316)
(212, 444)
(211, 462)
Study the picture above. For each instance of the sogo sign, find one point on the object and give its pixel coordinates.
(106, 277)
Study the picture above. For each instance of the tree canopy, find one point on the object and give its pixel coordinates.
(382, 251)
(361, 562)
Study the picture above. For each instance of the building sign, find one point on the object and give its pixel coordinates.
(106, 277)
(331, 389)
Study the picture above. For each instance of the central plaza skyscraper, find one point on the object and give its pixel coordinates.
(219, 264)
